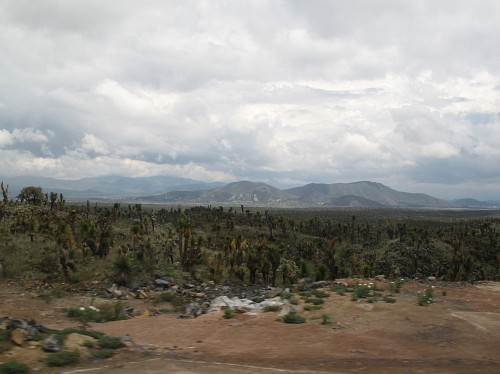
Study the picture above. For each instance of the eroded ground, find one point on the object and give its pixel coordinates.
(459, 333)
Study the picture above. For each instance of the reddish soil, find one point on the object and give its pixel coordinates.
(459, 333)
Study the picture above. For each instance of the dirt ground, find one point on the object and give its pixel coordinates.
(459, 333)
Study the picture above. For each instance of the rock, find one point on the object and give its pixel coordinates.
(18, 324)
(275, 292)
(33, 332)
(162, 283)
(380, 278)
(19, 336)
(319, 284)
(51, 344)
(368, 307)
(75, 342)
(141, 294)
(192, 310)
(274, 302)
(432, 279)
(44, 329)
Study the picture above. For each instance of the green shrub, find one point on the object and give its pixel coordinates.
(110, 342)
(320, 293)
(309, 307)
(294, 301)
(315, 301)
(325, 319)
(271, 308)
(103, 353)
(286, 295)
(293, 318)
(361, 291)
(89, 344)
(105, 313)
(62, 358)
(14, 367)
(427, 297)
(228, 313)
(340, 289)
(5, 335)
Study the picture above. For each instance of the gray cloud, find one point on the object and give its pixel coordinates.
(289, 92)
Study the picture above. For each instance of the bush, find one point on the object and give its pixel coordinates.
(315, 301)
(427, 297)
(104, 313)
(309, 307)
(62, 358)
(293, 318)
(110, 342)
(103, 353)
(14, 367)
(228, 313)
(325, 319)
(5, 335)
(89, 344)
(320, 293)
(361, 291)
(286, 295)
(271, 308)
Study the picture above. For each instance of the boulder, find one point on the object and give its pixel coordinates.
(19, 336)
(51, 344)
(75, 342)
(162, 283)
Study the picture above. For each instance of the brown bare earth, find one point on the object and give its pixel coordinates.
(459, 333)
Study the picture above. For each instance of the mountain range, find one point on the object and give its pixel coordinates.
(176, 190)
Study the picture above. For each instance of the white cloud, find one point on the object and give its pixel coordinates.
(282, 91)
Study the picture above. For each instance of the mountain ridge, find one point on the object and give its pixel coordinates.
(170, 189)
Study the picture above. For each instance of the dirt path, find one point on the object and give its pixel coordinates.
(459, 333)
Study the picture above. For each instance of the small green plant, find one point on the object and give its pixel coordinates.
(5, 335)
(320, 293)
(340, 289)
(271, 308)
(325, 319)
(89, 344)
(361, 291)
(315, 301)
(444, 293)
(395, 286)
(310, 307)
(62, 358)
(14, 367)
(110, 342)
(228, 313)
(294, 301)
(427, 297)
(286, 295)
(105, 313)
(103, 353)
(293, 318)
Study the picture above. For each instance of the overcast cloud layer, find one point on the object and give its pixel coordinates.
(406, 93)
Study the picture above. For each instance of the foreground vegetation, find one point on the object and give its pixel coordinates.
(44, 237)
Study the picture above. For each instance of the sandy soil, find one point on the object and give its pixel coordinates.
(459, 333)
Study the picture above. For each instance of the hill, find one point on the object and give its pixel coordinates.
(170, 189)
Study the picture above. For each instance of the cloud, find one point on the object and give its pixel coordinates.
(281, 91)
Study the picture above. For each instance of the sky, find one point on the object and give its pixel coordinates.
(287, 92)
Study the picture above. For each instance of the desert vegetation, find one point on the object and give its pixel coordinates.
(45, 238)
